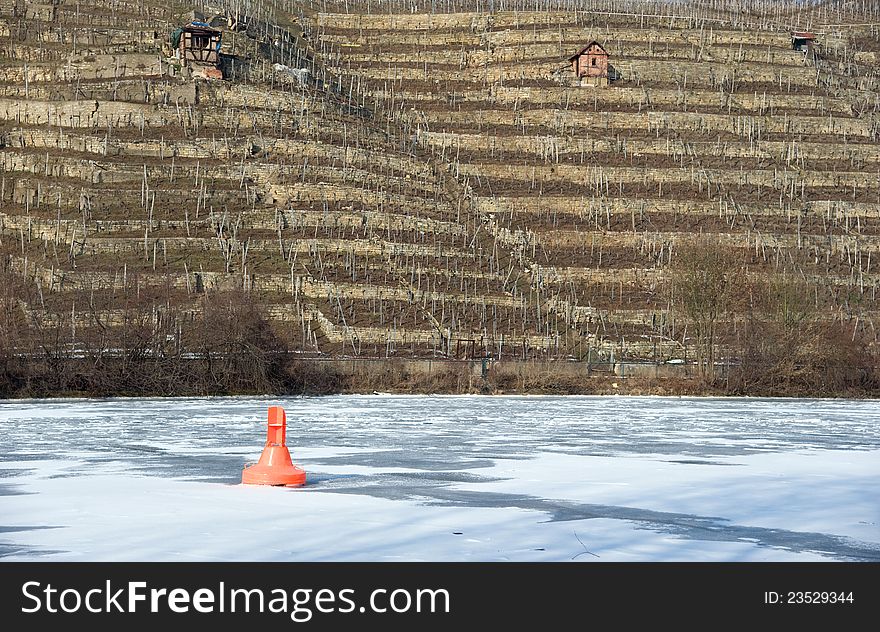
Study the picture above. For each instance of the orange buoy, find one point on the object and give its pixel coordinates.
(275, 466)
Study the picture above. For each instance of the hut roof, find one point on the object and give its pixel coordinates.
(585, 48)
(201, 28)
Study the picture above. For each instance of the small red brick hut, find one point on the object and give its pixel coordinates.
(591, 61)
(802, 40)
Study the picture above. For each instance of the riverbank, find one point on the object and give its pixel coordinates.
(286, 375)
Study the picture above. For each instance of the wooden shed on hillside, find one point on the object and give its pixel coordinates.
(590, 64)
(200, 43)
(198, 46)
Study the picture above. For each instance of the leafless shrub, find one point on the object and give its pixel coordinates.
(785, 349)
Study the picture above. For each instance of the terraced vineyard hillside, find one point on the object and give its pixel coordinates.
(377, 184)
(140, 206)
(713, 130)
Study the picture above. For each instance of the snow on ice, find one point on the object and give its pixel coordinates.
(452, 478)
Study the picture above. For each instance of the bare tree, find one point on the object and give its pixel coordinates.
(703, 274)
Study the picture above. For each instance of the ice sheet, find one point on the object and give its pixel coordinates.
(444, 478)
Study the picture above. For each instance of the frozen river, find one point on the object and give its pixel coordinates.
(452, 478)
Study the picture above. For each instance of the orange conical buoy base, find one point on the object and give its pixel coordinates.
(275, 466)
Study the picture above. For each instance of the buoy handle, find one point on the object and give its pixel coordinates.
(277, 426)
